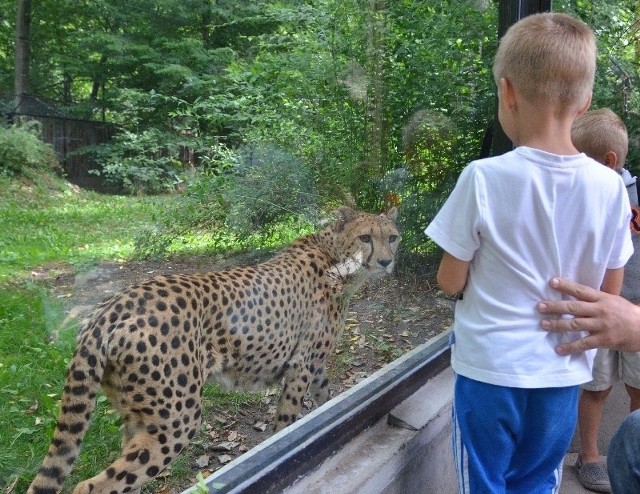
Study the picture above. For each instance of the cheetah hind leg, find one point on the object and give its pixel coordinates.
(297, 379)
(319, 389)
(145, 453)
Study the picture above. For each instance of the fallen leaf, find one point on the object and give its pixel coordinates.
(224, 459)
(219, 418)
(260, 426)
(202, 461)
(225, 446)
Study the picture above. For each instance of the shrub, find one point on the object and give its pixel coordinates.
(268, 184)
(145, 162)
(22, 151)
(190, 218)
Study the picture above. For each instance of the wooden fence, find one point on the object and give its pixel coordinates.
(67, 135)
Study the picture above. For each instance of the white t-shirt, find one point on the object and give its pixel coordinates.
(521, 218)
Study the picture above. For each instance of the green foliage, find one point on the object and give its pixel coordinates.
(198, 222)
(268, 184)
(201, 486)
(353, 90)
(33, 361)
(23, 153)
(143, 162)
(194, 222)
(47, 221)
(442, 76)
(317, 109)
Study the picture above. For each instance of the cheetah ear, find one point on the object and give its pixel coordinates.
(392, 214)
(343, 215)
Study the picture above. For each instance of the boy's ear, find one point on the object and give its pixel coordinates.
(507, 93)
(611, 160)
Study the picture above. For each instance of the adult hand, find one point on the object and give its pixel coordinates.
(612, 322)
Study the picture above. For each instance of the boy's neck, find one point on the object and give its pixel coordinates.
(537, 124)
(543, 128)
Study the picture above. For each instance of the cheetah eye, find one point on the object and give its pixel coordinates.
(392, 238)
(365, 239)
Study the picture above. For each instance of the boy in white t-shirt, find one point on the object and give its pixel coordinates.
(511, 223)
(602, 135)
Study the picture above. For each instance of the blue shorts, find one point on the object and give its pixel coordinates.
(624, 456)
(511, 440)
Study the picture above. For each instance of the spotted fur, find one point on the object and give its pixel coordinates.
(152, 347)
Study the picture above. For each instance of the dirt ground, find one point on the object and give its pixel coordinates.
(387, 318)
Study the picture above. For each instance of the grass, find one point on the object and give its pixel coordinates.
(47, 221)
(44, 222)
(32, 369)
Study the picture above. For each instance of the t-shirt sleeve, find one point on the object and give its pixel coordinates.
(455, 227)
(622, 245)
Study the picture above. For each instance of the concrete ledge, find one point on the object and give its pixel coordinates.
(387, 459)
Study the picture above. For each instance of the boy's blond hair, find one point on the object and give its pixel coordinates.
(548, 58)
(598, 132)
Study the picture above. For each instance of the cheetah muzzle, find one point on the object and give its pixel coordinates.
(152, 347)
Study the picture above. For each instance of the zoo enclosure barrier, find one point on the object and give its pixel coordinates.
(67, 135)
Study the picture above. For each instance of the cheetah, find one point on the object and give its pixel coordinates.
(152, 347)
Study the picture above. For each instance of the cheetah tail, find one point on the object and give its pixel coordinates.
(84, 375)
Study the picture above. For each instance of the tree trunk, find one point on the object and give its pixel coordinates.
(375, 125)
(23, 28)
(205, 25)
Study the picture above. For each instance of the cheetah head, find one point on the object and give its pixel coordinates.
(365, 244)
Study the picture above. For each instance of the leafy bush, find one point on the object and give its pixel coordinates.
(194, 222)
(148, 161)
(190, 220)
(268, 185)
(22, 151)
(258, 196)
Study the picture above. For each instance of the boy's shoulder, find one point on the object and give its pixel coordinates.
(514, 164)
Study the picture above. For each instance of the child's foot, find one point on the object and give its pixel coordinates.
(593, 476)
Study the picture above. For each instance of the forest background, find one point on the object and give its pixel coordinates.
(238, 125)
(272, 110)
